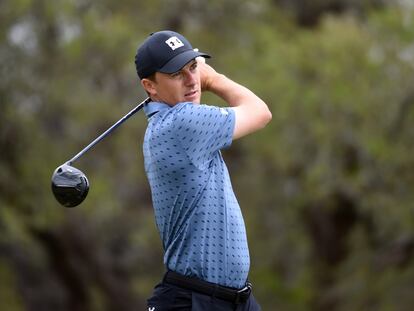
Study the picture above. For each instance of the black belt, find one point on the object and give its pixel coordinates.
(210, 289)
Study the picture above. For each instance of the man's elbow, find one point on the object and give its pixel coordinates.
(266, 116)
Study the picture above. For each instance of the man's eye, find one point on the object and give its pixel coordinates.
(175, 74)
(194, 66)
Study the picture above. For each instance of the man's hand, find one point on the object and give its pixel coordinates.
(207, 74)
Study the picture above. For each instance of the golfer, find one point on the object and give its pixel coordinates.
(197, 214)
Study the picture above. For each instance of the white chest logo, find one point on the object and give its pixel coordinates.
(174, 43)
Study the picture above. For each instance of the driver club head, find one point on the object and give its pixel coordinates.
(69, 185)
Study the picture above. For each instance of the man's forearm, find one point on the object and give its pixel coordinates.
(233, 93)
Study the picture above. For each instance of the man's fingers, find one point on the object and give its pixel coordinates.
(200, 59)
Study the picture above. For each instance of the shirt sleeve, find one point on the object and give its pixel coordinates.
(203, 130)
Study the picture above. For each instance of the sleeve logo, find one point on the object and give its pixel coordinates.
(224, 111)
(174, 43)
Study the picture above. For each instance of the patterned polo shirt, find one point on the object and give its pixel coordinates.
(196, 212)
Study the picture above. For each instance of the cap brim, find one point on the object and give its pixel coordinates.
(179, 61)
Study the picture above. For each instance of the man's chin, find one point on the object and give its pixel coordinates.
(193, 98)
(196, 102)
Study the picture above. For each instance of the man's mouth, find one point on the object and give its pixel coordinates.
(190, 94)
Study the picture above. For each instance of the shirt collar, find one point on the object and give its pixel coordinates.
(152, 108)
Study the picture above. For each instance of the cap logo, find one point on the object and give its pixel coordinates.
(174, 43)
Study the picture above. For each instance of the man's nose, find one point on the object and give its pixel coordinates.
(190, 77)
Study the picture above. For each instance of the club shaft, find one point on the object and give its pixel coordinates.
(108, 131)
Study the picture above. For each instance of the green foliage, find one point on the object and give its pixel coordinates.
(325, 188)
(8, 294)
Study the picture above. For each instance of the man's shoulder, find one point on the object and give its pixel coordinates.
(189, 111)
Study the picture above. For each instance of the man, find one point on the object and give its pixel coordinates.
(196, 211)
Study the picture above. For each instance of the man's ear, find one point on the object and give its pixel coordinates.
(149, 86)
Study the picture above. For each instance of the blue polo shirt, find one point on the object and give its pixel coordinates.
(196, 212)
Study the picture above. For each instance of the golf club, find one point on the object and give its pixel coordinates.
(70, 185)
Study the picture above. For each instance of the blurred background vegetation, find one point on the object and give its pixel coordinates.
(326, 188)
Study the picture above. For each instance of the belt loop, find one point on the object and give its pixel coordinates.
(215, 290)
(237, 300)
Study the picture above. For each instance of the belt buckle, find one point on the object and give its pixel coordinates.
(245, 290)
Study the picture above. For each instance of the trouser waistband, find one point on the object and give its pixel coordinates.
(210, 289)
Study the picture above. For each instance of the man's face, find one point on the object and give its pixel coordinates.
(181, 86)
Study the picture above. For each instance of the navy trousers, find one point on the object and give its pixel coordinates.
(167, 297)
